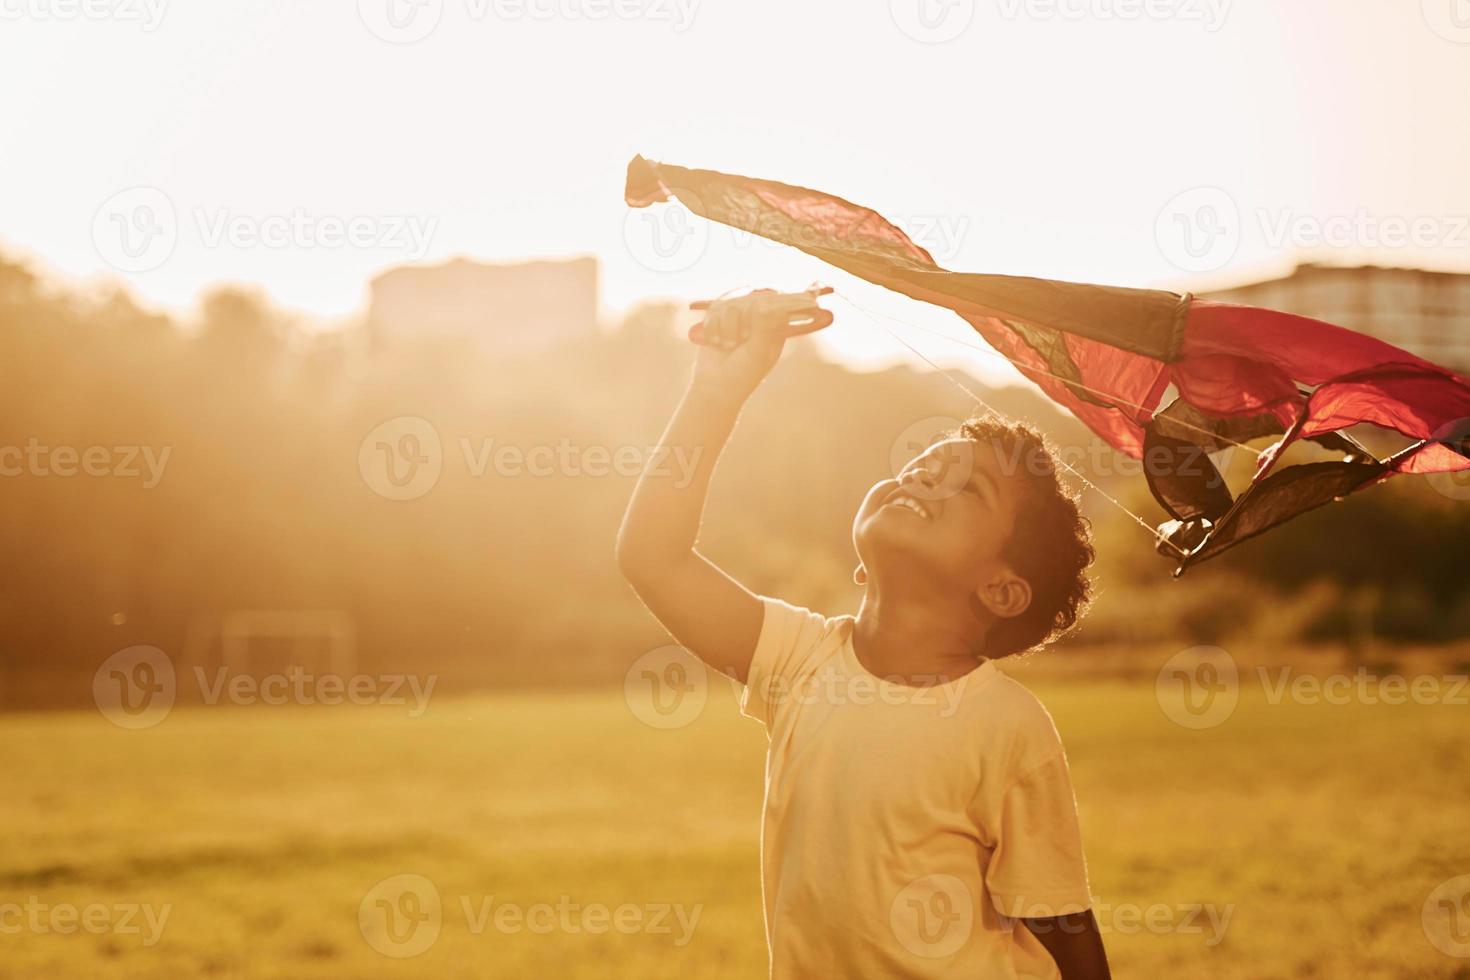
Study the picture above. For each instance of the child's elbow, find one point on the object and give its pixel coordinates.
(633, 560)
(642, 563)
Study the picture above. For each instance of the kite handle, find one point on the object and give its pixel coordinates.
(799, 312)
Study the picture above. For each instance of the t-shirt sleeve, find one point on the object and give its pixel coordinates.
(1037, 869)
(787, 650)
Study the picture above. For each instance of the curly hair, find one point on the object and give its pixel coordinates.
(1050, 545)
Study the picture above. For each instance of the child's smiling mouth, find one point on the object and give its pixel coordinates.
(902, 500)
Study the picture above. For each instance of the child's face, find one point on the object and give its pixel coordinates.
(942, 522)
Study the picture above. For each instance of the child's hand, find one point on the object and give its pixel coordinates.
(741, 340)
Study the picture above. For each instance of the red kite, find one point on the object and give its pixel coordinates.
(1110, 355)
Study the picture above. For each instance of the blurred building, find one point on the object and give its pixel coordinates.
(517, 308)
(1427, 313)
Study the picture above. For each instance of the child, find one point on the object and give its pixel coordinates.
(919, 818)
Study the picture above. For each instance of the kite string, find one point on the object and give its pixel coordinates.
(1035, 370)
(1153, 532)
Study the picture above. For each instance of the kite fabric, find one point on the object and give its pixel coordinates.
(1111, 355)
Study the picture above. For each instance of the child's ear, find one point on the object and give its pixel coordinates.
(860, 575)
(1006, 596)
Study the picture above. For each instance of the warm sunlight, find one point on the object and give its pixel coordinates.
(1044, 139)
(714, 489)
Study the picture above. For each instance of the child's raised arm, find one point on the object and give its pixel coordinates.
(706, 611)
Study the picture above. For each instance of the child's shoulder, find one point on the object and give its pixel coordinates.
(1015, 705)
(1015, 729)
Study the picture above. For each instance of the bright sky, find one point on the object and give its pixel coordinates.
(1039, 137)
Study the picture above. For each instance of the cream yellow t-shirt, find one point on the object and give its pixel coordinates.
(904, 825)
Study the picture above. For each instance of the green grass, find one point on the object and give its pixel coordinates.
(1323, 828)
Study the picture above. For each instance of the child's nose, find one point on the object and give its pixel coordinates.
(920, 484)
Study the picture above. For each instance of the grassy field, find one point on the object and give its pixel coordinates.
(1321, 830)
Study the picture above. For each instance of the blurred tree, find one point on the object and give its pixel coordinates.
(499, 571)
